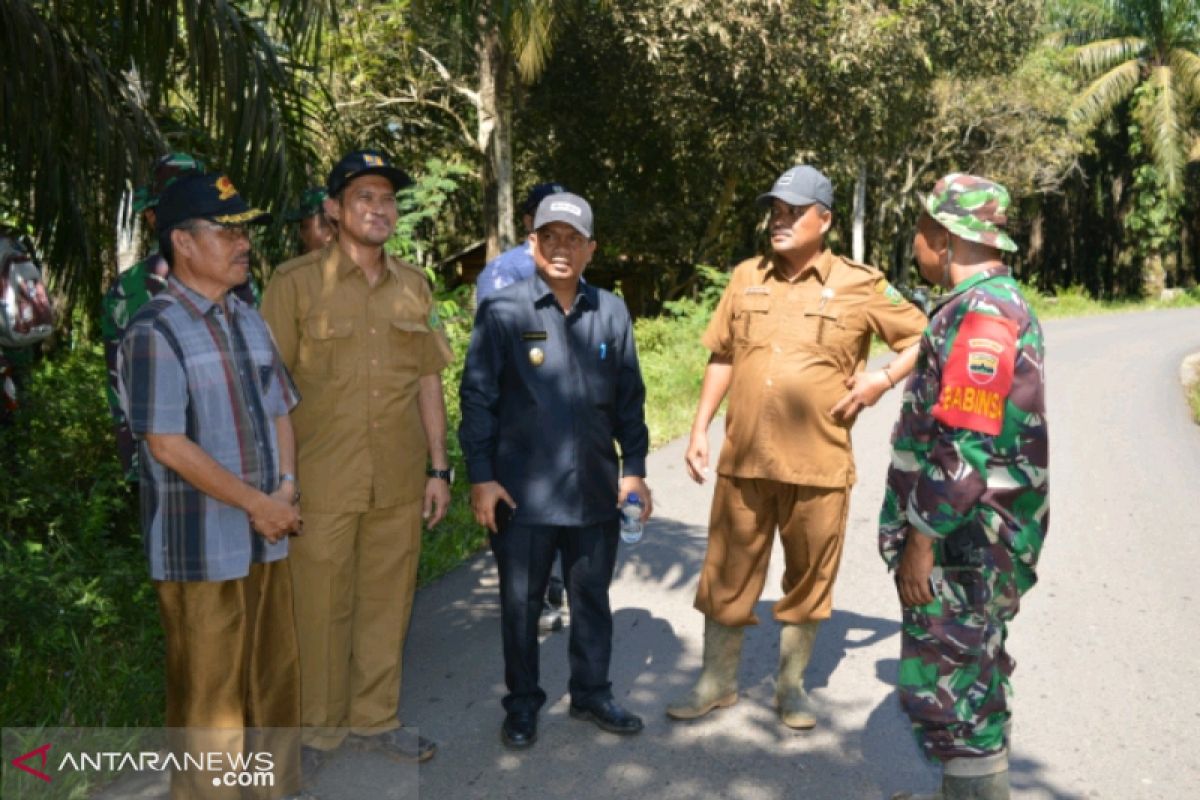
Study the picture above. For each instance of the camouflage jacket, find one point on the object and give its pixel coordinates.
(132, 289)
(969, 451)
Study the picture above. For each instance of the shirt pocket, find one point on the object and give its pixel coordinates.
(326, 346)
(603, 369)
(753, 323)
(408, 341)
(839, 332)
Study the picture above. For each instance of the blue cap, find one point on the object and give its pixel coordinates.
(539, 193)
(209, 196)
(364, 162)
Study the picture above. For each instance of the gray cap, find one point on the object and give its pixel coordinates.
(800, 186)
(565, 207)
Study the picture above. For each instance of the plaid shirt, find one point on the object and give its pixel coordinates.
(188, 366)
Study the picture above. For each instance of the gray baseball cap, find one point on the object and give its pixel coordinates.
(565, 207)
(800, 186)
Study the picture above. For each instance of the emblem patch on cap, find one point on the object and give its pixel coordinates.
(225, 188)
(372, 161)
(570, 208)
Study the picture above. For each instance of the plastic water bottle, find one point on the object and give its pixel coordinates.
(631, 519)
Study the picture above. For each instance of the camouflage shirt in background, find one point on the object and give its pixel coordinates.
(969, 451)
(132, 289)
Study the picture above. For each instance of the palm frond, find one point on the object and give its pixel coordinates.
(73, 135)
(1106, 93)
(87, 89)
(529, 31)
(1186, 68)
(1103, 55)
(1161, 117)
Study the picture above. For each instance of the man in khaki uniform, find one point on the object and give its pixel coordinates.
(352, 326)
(789, 337)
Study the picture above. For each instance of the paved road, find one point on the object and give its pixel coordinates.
(1108, 662)
(1108, 702)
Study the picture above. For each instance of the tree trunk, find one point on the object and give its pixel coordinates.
(1154, 276)
(858, 246)
(495, 125)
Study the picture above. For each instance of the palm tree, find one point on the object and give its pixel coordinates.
(509, 40)
(1154, 44)
(91, 92)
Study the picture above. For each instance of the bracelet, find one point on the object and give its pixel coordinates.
(888, 375)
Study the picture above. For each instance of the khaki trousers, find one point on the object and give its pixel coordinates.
(746, 512)
(355, 575)
(233, 682)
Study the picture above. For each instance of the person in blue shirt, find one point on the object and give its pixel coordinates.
(551, 380)
(516, 263)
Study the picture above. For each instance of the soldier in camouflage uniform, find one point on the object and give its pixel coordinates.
(966, 511)
(134, 287)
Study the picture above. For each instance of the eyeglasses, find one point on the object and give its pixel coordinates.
(228, 233)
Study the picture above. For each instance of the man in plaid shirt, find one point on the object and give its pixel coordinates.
(207, 398)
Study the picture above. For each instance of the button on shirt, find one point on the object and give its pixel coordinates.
(792, 345)
(543, 396)
(190, 366)
(356, 352)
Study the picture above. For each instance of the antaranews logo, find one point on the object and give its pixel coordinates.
(40, 753)
(243, 769)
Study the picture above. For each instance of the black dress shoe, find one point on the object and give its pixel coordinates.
(608, 716)
(519, 729)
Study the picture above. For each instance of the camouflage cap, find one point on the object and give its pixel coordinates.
(166, 170)
(310, 203)
(971, 208)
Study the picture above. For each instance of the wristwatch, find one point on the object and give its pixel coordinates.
(287, 476)
(445, 474)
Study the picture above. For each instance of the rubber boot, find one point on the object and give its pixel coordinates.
(970, 779)
(717, 686)
(795, 649)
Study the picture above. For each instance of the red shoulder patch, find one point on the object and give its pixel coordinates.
(978, 375)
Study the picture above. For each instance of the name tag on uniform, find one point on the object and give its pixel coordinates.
(533, 336)
(757, 290)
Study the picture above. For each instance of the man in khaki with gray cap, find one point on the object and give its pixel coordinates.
(789, 342)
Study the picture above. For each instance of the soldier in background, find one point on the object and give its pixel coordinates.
(314, 229)
(966, 510)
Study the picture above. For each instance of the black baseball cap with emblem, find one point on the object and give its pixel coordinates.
(210, 196)
(364, 162)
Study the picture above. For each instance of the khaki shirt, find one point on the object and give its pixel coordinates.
(355, 353)
(793, 344)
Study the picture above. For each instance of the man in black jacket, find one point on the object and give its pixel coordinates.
(551, 379)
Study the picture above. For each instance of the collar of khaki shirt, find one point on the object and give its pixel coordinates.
(822, 266)
(346, 266)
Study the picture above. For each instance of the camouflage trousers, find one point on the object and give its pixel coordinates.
(954, 672)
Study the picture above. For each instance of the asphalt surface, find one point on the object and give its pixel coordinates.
(1107, 699)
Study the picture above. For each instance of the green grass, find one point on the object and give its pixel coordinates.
(673, 361)
(1076, 302)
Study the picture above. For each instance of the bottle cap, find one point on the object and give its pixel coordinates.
(633, 497)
